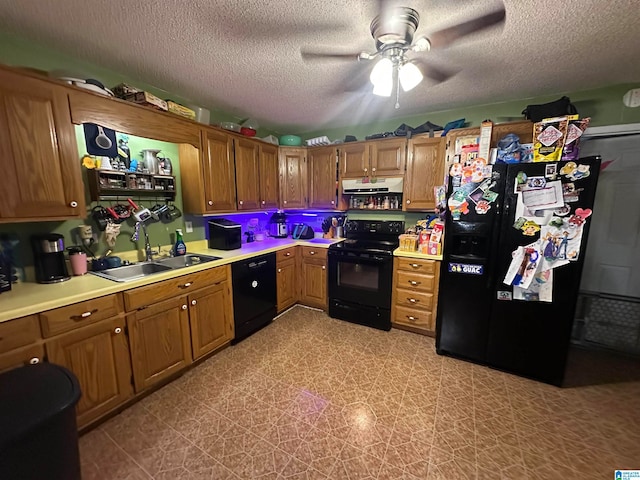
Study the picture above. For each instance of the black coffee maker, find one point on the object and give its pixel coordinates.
(48, 258)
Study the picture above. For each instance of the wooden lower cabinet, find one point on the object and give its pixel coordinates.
(160, 341)
(415, 294)
(211, 318)
(314, 277)
(287, 280)
(21, 356)
(98, 355)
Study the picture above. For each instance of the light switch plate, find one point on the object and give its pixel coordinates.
(188, 227)
(631, 99)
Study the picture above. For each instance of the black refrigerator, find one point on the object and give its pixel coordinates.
(515, 241)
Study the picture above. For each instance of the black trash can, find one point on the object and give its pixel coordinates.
(38, 432)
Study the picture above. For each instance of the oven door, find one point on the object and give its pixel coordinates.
(360, 277)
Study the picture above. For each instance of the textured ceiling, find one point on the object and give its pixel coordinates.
(244, 57)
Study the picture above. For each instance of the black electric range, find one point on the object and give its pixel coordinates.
(361, 272)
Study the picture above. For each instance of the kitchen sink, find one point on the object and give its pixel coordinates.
(186, 260)
(144, 269)
(132, 272)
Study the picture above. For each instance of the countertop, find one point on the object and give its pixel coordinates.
(403, 253)
(29, 297)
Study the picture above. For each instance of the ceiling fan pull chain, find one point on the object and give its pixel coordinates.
(397, 90)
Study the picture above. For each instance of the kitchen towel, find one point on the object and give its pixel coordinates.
(90, 134)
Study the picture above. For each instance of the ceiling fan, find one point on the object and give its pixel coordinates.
(393, 30)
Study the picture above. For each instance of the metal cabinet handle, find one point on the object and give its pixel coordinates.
(73, 204)
(373, 169)
(332, 202)
(279, 270)
(408, 202)
(117, 330)
(34, 361)
(415, 265)
(183, 307)
(323, 267)
(288, 254)
(84, 315)
(186, 285)
(366, 169)
(412, 300)
(285, 202)
(209, 203)
(312, 252)
(414, 283)
(193, 302)
(413, 319)
(240, 202)
(263, 202)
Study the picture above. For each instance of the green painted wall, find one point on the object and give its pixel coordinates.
(603, 105)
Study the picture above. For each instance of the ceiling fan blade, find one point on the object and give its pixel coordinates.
(447, 36)
(429, 70)
(324, 55)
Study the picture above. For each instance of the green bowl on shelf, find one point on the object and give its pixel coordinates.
(290, 140)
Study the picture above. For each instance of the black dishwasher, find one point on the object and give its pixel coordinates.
(254, 294)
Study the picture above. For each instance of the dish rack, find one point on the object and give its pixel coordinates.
(317, 141)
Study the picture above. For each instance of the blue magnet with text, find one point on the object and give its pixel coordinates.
(466, 268)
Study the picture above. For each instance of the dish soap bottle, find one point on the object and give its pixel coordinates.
(179, 248)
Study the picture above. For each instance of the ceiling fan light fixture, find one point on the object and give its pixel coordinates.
(383, 89)
(422, 44)
(410, 76)
(382, 72)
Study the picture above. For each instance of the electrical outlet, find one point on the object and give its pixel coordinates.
(188, 227)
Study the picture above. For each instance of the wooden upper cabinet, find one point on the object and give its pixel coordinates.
(98, 355)
(247, 174)
(387, 157)
(268, 158)
(292, 171)
(425, 170)
(41, 176)
(322, 177)
(354, 160)
(208, 175)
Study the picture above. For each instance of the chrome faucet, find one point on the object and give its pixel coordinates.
(148, 252)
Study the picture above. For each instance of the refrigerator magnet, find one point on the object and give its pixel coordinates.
(568, 168)
(530, 228)
(551, 170)
(562, 211)
(518, 224)
(490, 196)
(482, 207)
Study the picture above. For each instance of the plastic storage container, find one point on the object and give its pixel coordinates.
(39, 436)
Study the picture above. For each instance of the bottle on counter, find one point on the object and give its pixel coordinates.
(180, 248)
(385, 203)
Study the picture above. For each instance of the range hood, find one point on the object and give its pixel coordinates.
(380, 185)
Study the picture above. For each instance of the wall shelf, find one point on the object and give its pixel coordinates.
(105, 184)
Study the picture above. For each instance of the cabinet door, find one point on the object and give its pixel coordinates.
(98, 355)
(387, 157)
(211, 318)
(20, 357)
(354, 160)
(287, 280)
(268, 176)
(322, 177)
(160, 341)
(292, 170)
(247, 171)
(425, 170)
(41, 177)
(314, 283)
(219, 172)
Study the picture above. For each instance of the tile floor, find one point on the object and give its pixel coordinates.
(310, 397)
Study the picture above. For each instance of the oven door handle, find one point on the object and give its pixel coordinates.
(358, 259)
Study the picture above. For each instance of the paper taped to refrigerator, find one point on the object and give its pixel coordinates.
(524, 265)
(550, 196)
(540, 289)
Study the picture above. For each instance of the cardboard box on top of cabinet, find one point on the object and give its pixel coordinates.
(181, 110)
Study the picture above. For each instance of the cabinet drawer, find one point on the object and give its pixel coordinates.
(59, 320)
(140, 297)
(19, 332)
(416, 282)
(21, 356)
(417, 266)
(413, 317)
(312, 252)
(286, 254)
(414, 299)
